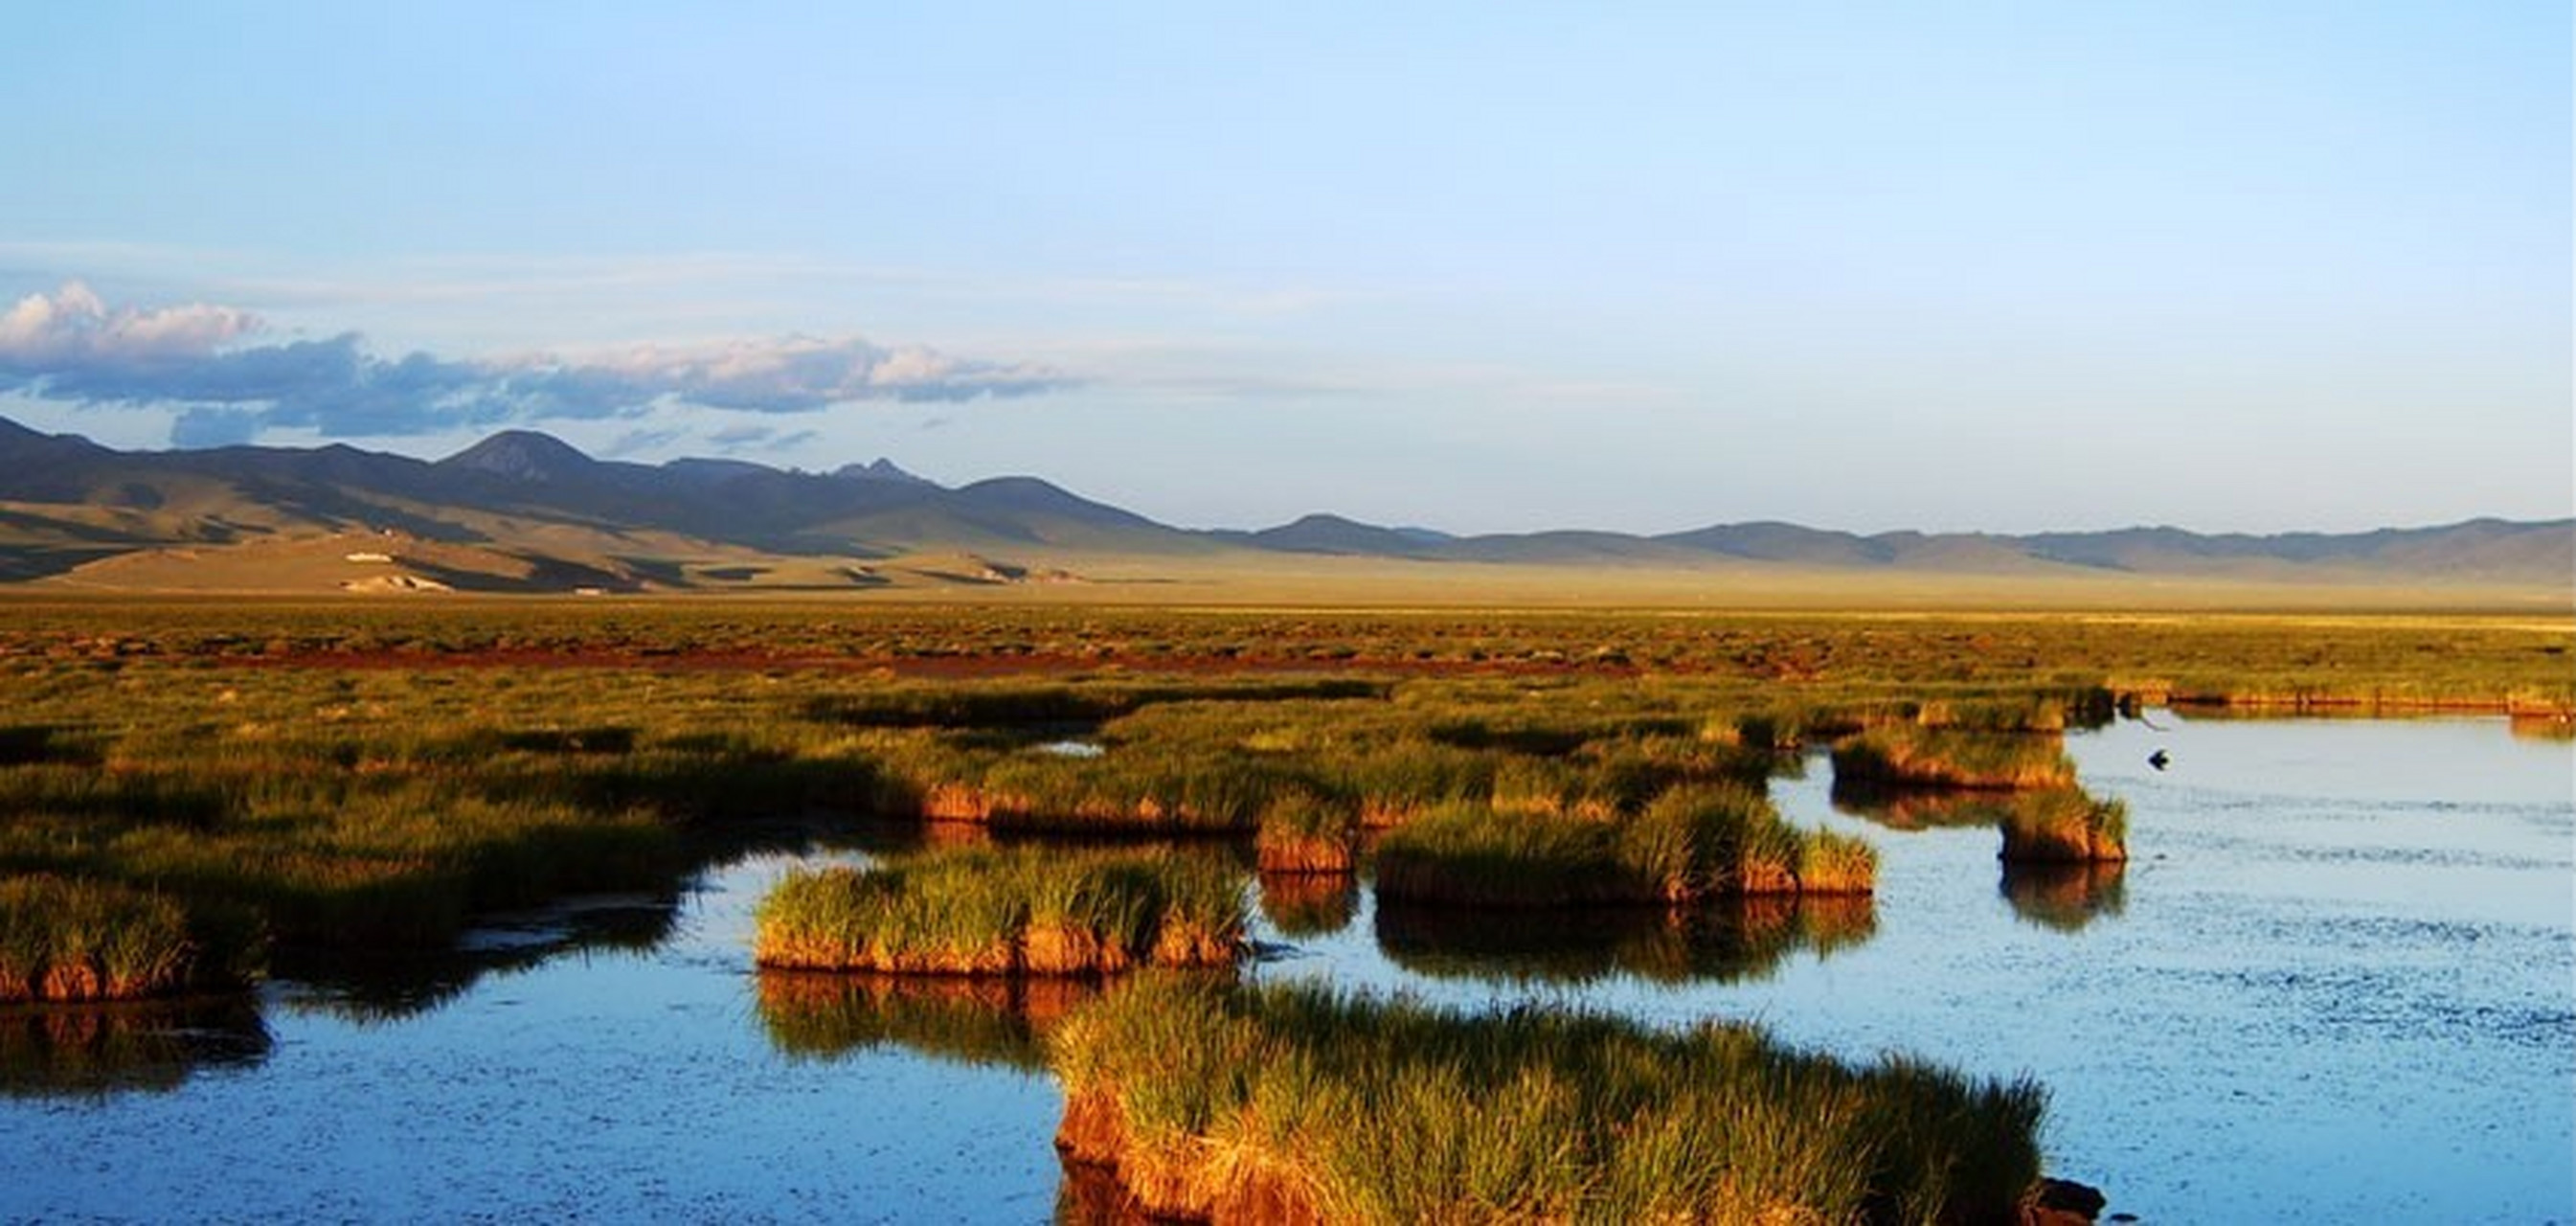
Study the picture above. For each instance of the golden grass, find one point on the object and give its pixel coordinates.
(1917, 755)
(1293, 1103)
(2065, 826)
(1005, 911)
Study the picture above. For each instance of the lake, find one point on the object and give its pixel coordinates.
(2337, 981)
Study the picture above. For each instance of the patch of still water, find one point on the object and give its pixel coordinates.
(2337, 982)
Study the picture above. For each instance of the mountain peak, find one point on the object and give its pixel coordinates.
(522, 455)
(1320, 532)
(880, 469)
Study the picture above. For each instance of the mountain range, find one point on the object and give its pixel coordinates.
(522, 511)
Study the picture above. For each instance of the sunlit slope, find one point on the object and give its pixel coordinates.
(522, 512)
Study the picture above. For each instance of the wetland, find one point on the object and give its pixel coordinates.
(2331, 977)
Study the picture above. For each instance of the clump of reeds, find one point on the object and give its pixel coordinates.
(1296, 1102)
(2065, 826)
(2045, 711)
(1400, 780)
(63, 939)
(1830, 863)
(1483, 856)
(1112, 793)
(1691, 844)
(1302, 832)
(2033, 714)
(1005, 911)
(1916, 755)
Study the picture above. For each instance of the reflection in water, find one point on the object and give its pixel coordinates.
(2551, 727)
(1921, 808)
(90, 1051)
(1094, 1195)
(1731, 941)
(2341, 994)
(2065, 897)
(380, 988)
(977, 1020)
(1309, 904)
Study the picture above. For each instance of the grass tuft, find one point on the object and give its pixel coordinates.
(1299, 1102)
(1005, 911)
(1917, 755)
(2065, 826)
(71, 940)
(1690, 845)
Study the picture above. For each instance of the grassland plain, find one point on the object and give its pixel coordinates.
(2467, 660)
(289, 776)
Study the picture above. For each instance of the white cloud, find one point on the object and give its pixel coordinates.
(73, 326)
(72, 347)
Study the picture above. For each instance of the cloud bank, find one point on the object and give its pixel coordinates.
(73, 347)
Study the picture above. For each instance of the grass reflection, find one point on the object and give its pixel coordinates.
(1731, 941)
(93, 1051)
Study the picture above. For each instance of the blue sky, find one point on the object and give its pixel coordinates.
(2242, 266)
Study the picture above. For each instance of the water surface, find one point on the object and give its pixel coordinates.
(2337, 982)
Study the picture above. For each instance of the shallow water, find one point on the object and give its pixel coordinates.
(2338, 982)
(2331, 985)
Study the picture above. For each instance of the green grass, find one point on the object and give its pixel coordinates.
(1089, 701)
(2394, 658)
(362, 812)
(1301, 832)
(1298, 1102)
(1941, 756)
(64, 939)
(366, 776)
(1005, 911)
(1690, 845)
(2065, 826)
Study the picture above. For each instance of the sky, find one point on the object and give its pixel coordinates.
(2245, 266)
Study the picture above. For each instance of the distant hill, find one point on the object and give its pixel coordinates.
(523, 511)
(1332, 534)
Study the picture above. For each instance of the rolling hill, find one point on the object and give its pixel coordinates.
(522, 511)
